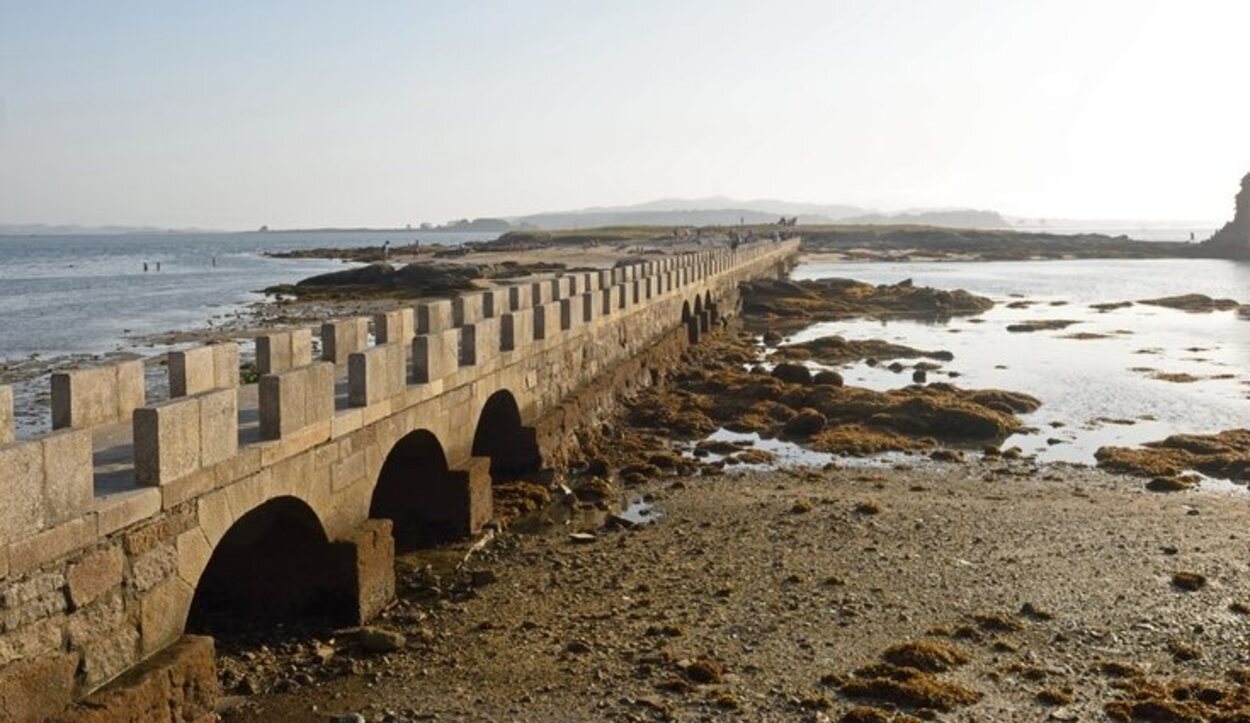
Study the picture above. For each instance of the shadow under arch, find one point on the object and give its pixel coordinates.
(419, 494)
(698, 304)
(502, 436)
(274, 566)
(685, 312)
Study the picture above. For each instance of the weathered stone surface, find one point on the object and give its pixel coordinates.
(26, 601)
(96, 395)
(177, 685)
(370, 552)
(280, 351)
(39, 638)
(296, 399)
(95, 574)
(95, 620)
(167, 441)
(153, 566)
(163, 613)
(123, 509)
(394, 327)
(52, 543)
(434, 316)
(376, 374)
(175, 521)
(21, 504)
(68, 476)
(343, 337)
(36, 690)
(109, 654)
(219, 426)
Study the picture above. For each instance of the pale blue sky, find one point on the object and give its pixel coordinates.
(234, 114)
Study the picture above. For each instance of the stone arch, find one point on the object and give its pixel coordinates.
(419, 493)
(273, 565)
(698, 304)
(502, 436)
(685, 312)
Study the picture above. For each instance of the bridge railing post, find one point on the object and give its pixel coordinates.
(434, 316)
(296, 399)
(282, 350)
(435, 355)
(99, 395)
(204, 368)
(516, 330)
(343, 337)
(376, 374)
(395, 327)
(177, 438)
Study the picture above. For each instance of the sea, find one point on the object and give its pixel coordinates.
(91, 294)
(87, 295)
(1094, 391)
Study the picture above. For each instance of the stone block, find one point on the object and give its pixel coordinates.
(606, 303)
(590, 307)
(193, 555)
(190, 371)
(39, 688)
(435, 355)
(493, 303)
(568, 315)
(341, 338)
(7, 432)
(434, 316)
(177, 684)
(203, 369)
(542, 292)
(369, 552)
(394, 327)
(68, 475)
(51, 544)
(589, 282)
(516, 329)
(93, 575)
(467, 309)
(520, 297)
(21, 501)
(295, 399)
(163, 614)
(123, 509)
(167, 441)
(280, 351)
(219, 426)
(540, 320)
(376, 374)
(93, 396)
(109, 654)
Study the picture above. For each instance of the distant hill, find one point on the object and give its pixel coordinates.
(44, 229)
(959, 218)
(723, 211)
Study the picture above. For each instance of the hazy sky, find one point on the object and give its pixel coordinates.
(233, 114)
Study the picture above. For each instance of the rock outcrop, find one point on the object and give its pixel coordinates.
(1234, 239)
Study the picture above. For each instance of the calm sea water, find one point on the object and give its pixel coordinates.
(87, 294)
(1082, 384)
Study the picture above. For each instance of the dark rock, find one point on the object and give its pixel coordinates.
(796, 373)
(827, 378)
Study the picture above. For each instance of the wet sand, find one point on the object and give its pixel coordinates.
(783, 579)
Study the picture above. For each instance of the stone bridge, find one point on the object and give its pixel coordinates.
(132, 523)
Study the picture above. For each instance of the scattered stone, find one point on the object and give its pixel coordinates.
(1188, 581)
